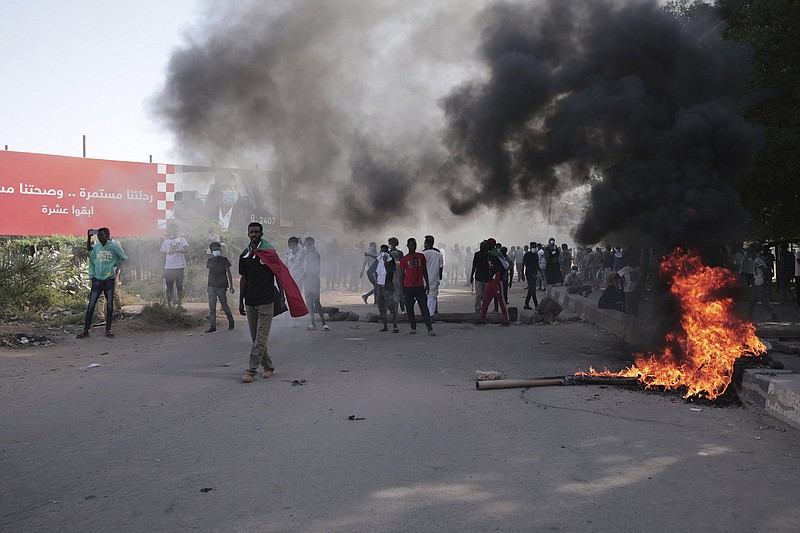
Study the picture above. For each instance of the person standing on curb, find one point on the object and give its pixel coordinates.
(785, 271)
(397, 255)
(311, 283)
(479, 275)
(294, 261)
(370, 265)
(434, 262)
(758, 291)
(219, 282)
(175, 249)
(631, 275)
(415, 286)
(101, 301)
(530, 265)
(384, 288)
(494, 288)
(104, 259)
(261, 269)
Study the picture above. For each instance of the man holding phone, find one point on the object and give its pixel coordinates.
(104, 259)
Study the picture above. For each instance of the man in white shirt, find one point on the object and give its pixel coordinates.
(542, 281)
(435, 264)
(385, 287)
(175, 249)
(758, 291)
(294, 261)
(630, 275)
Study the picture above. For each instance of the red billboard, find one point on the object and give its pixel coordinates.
(47, 194)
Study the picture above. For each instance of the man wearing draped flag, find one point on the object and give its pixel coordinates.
(264, 278)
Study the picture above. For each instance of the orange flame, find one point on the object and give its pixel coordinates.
(701, 353)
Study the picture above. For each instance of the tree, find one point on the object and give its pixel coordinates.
(771, 190)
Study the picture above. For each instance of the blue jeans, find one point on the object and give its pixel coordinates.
(106, 287)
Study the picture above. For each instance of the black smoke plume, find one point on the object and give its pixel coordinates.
(621, 91)
(341, 96)
(346, 97)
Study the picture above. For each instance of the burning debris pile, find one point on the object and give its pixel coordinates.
(700, 354)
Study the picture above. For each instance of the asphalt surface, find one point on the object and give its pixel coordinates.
(162, 436)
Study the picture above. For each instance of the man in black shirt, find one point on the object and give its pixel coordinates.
(530, 272)
(219, 280)
(480, 273)
(256, 300)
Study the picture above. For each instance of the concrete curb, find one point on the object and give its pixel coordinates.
(775, 392)
(628, 328)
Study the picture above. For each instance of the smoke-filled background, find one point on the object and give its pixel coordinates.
(384, 113)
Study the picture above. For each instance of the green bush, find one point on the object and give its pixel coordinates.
(41, 272)
(160, 315)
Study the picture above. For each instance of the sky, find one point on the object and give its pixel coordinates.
(87, 68)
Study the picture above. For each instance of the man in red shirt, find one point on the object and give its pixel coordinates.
(415, 285)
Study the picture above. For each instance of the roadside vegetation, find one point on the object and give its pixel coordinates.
(45, 279)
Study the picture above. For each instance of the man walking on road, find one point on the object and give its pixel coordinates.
(220, 282)
(261, 269)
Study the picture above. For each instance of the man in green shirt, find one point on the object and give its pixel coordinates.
(104, 259)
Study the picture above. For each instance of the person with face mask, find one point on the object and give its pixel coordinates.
(219, 282)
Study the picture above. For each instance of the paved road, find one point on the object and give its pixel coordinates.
(130, 445)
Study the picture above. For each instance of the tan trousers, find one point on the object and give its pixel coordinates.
(259, 318)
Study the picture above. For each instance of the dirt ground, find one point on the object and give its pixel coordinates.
(366, 431)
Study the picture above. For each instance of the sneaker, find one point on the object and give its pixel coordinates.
(109, 335)
(267, 374)
(248, 378)
(311, 327)
(412, 332)
(431, 333)
(230, 326)
(528, 307)
(384, 329)
(82, 335)
(326, 328)
(211, 330)
(100, 322)
(395, 330)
